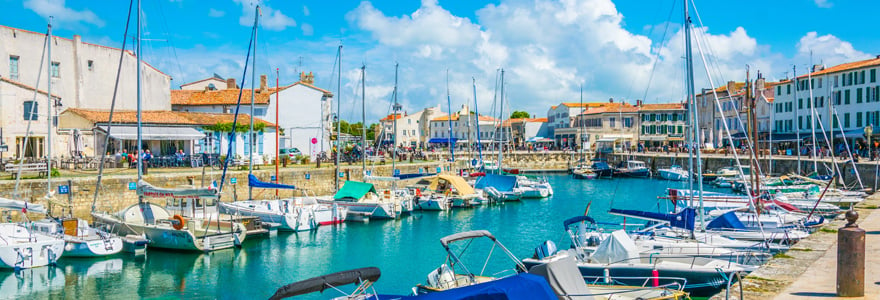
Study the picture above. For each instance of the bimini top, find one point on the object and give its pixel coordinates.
(504, 183)
(253, 181)
(354, 190)
(329, 281)
(728, 220)
(460, 186)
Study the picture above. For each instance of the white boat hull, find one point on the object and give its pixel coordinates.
(21, 248)
(92, 248)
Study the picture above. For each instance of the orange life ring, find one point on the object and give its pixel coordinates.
(418, 192)
(180, 222)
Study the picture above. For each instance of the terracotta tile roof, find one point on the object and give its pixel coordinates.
(541, 120)
(230, 96)
(737, 85)
(455, 118)
(162, 117)
(553, 107)
(662, 106)
(847, 67)
(508, 122)
(25, 86)
(616, 109)
(392, 117)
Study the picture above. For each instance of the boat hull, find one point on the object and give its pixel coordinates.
(166, 237)
(675, 175)
(358, 210)
(92, 248)
(299, 219)
(19, 249)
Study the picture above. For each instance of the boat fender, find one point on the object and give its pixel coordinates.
(179, 222)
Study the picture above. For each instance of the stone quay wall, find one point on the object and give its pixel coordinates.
(116, 195)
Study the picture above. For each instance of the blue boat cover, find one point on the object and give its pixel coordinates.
(441, 140)
(412, 175)
(254, 182)
(726, 221)
(573, 220)
(683, 219)
(503, 183)
(521, 286)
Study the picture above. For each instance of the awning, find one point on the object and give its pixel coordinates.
(607, 140)
(154, 133)
(653, 138)
(441, 140)
(537, 139)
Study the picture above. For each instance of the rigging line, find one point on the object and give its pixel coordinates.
(715, 65)
(27, 135)
(657, 56)
(112, 107)
(232, 132)
(171, 44)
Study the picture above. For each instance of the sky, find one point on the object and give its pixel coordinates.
(549, 50)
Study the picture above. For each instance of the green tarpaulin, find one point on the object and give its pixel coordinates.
(354, 190)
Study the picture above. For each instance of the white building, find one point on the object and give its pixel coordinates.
(83, 76)
(409, 127)
(303, 111)
(464, 130)
(851, 89)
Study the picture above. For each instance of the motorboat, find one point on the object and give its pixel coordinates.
(23, 247)
(173, 231)
(533, 189)
(674, 173)
(499, 188)
(363, 202)
(618, 259)
(290, 214)
(447, 191)
(632, 168)
(80, 239)
(584, 173)
(601, 168)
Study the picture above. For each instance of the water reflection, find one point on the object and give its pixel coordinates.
(27, 282)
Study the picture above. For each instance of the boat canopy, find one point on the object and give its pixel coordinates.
(573, 220)
(19, 205)
(329, 281)
(354, 190)
(683, 219)
(503, 183)
(253, 181)
(617, 247)
(521, 286)
(564, 277)
(147, 190)
(458, 184)
(465, 236)
(728, 220)
(441, 140)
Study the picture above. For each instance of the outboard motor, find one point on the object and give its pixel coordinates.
(547, 248)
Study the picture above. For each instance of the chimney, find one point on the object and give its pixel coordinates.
(610, 100)
(230, 84)
(639, 103)
(731, 87)
(263, 86)
(302, 76)
(759, 84)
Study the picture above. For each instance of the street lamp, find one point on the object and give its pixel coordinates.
(868, 131)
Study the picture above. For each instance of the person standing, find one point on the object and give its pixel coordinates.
(146, 160)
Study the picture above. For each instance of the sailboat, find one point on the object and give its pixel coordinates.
(162, 228)
(21, 245)
(80, 239)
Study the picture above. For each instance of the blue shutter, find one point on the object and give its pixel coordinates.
(260, 145)
(247, 144)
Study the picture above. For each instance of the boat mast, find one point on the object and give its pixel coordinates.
(582, 130)
(797, 130)
(449, 109)
(500, 125)
(49, 115)
(689, 63)
(394, 109)
(251, 136)
(363, 120)
(813, 113)
(338, 120)
(477, 112)
(277, 131)
(140, 133)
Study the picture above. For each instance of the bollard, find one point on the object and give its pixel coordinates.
(851, 258)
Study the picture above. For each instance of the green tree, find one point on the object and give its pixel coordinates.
(519, 115)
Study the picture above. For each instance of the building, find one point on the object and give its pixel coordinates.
(735, 111)
(603, 128)
(564, 128)
(304, 111)
(164, 132)
(662, 124)
(464, 130)
(559, 116)
(82, 75)
(850, 90)
(410, 131)
(528, 130)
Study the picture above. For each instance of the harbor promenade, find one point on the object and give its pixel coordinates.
(808, 270)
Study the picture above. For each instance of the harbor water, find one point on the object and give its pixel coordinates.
(405, 250)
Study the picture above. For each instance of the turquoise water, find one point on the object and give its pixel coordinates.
(405, 250)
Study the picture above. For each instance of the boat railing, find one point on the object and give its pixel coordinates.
(678, 283)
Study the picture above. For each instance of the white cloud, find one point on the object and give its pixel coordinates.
(306, 11)
(827, 49)
(270, 19)
(307, 29)
(214, 13)
(61, 13)
(823, 3)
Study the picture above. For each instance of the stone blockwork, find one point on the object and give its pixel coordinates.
(523, 160)
(115, 193)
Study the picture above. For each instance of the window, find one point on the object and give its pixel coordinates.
(809, 122)
(91, 65)
(55, 69)
(873, 75)
(859, 119)
(13, 67)
(259, 111)
(788, 89)
(31, 110)
(611, 121)
(862, 77)
(800, 122)
(800, 103)
(859, 95)
(820, 83)
(778, 91)
(260, 145)
(835, 81)
(846, 120)
(846, 97)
